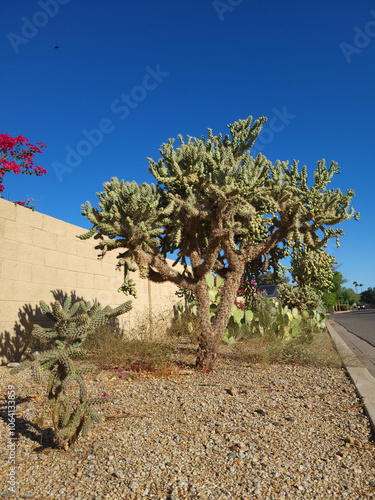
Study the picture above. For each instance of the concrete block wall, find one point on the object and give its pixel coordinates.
(41, 259)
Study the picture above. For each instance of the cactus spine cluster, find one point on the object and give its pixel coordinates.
(63, 341)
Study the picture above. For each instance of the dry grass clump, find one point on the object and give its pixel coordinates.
(140, 349)
(319, 352)
(170, 344)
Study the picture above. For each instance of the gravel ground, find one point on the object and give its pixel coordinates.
(239, 432)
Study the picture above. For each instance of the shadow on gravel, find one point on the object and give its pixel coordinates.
(28, 429)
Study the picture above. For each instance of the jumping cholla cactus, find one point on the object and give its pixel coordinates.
(63, 341)
(219, 208)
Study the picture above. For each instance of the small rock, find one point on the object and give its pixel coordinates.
(242, 447)
(120, 474)
(261, 412)
(12, 365)
(101, 377)
(133, 485)
(232, 391)
(231, 455)
(290, 419)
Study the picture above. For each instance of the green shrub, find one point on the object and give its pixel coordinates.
(345, 307)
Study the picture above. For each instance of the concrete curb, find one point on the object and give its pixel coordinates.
(360, 376)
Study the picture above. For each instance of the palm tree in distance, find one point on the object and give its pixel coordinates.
(355, 284)
(361, 285)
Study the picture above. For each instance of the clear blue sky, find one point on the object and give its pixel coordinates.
(187, 66)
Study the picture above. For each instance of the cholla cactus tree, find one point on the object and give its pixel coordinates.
(65, 340)
(219, 208)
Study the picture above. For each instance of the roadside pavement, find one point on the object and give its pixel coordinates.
(359, 359)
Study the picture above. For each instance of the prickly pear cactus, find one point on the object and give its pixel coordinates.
(286, 324)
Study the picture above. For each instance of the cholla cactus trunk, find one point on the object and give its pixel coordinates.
(207, 345)
(211, 333)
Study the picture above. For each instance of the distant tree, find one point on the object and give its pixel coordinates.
(329, 300)
(368, 296)
(220, 208)
(338, 294)
(338, 280)
(17, 156)
(349, 296)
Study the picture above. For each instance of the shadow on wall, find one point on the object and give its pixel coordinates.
(17, 344)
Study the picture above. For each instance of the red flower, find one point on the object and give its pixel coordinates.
(17, 160)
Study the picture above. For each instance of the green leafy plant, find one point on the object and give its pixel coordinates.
(65, 341)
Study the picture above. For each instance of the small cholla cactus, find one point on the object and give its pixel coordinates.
(63, 341)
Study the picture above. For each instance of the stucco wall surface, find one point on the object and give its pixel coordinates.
(41, 259)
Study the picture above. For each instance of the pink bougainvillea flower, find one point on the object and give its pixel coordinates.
(271, 390)
(122, 375)
(261, 345)
(206, 371)
(105, 395)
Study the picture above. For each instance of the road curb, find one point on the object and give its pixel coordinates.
(360, 376)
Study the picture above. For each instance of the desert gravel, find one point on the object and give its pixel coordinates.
(239, 432)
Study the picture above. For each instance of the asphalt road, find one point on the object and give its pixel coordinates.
(359, 322)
